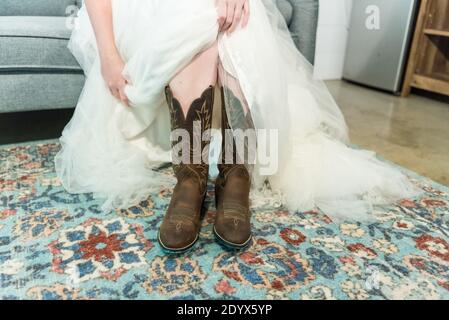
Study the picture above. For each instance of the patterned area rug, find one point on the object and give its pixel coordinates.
(54, 245)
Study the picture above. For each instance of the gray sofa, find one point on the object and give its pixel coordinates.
(37, 71)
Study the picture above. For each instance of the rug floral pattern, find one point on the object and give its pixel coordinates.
(54, 245)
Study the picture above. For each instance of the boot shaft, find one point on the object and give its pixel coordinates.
(235, 117)
(191, 132)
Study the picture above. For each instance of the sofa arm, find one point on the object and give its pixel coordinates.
(303, 26)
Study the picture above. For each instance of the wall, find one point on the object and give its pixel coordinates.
(332, 37)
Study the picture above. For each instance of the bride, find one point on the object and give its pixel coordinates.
(155, 69)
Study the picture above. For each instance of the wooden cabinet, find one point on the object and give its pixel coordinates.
(428, 66)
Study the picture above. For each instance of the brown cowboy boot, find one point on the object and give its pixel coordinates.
(233, 219)
(180, 227)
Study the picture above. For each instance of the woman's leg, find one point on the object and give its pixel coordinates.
(190, 97)
(233, 218)
(191, 82)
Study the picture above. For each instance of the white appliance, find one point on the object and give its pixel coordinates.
(380, 33)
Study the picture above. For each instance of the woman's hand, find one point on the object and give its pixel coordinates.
(100, 14)
(111, 68)
(231, 13)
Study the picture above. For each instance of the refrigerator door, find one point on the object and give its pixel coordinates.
(377, 57)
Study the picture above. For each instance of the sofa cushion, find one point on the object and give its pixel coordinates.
(39, 91)
(286, 9)
(35, 7)
(53, 27)
(35, 43)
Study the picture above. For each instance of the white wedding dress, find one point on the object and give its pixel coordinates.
(113, 151)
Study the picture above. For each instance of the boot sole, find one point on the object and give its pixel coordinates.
(176, 250)
(231, 245)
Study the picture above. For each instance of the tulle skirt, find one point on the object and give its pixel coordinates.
(114, 151)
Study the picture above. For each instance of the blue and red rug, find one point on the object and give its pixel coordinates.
(54, 245)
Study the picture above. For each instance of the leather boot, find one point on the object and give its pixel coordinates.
(180, 227)
(233, 219)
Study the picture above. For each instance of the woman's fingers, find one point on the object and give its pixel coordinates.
(238, 10)
(230, 10)
(245, 16)
(118, 91)
(115, 92)
(231, 14)
(123, 96)
(222, 13)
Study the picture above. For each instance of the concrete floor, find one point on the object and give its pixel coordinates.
(412, 132)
